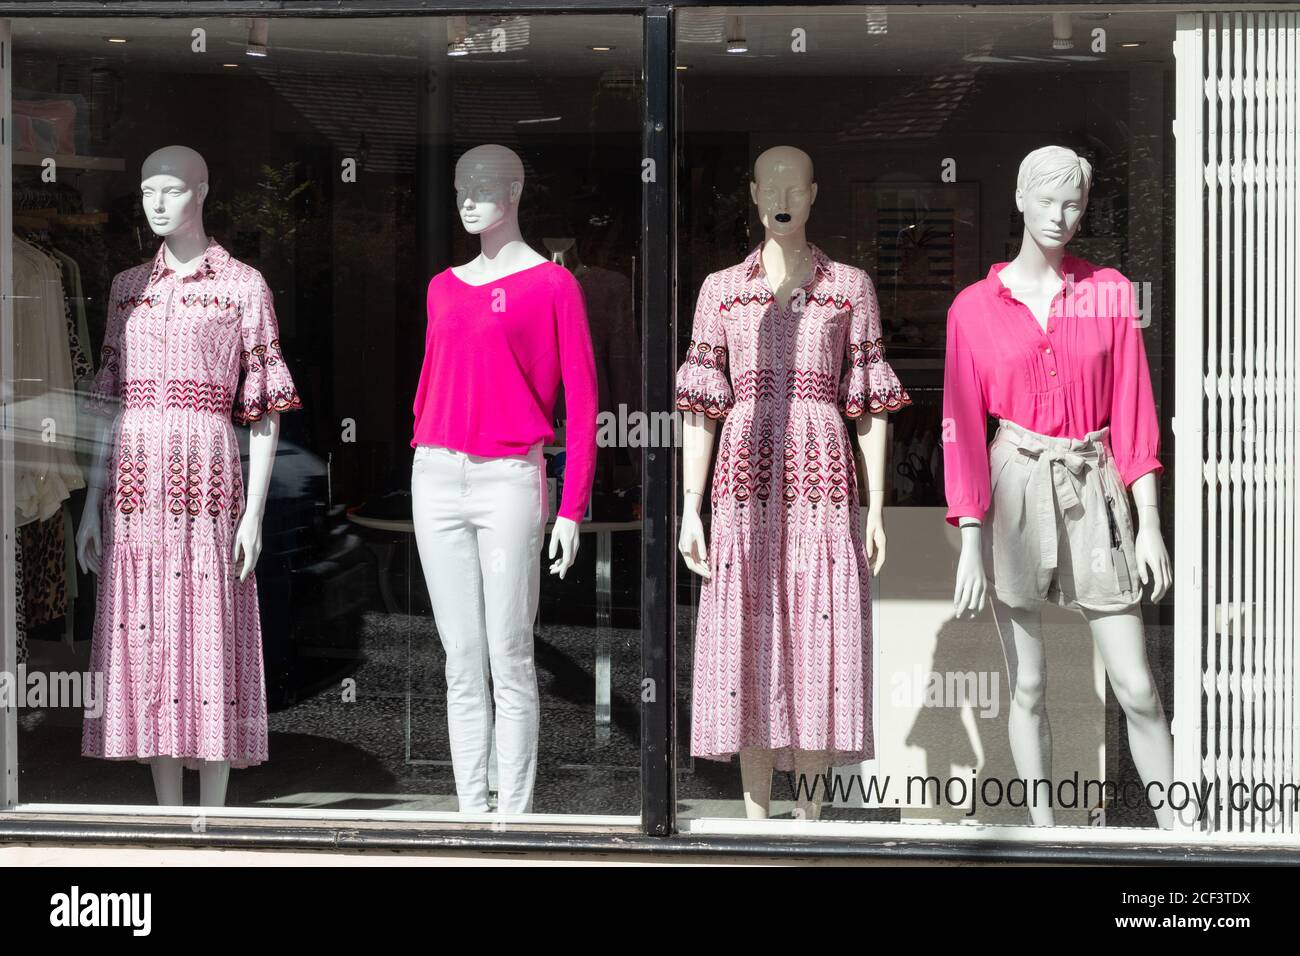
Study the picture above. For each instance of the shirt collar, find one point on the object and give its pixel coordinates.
(754, 262)
(1071, 265)
(214, 260)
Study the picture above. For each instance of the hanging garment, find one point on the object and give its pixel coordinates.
(1085, 370)
(783, 640)
(177, 634)
(45, 577)
(45, 468)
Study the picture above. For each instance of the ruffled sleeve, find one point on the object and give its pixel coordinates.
(105, 393)
(868, 384)
(702, 383)
(267, 385)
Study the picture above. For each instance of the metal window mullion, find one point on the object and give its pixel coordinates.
(658, 604)
(8, 531)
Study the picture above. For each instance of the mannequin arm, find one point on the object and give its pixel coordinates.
(697, 454)
(89, 533)
(872, 431)
(1152, 558)
(263, 436)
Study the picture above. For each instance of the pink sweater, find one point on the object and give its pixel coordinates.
(1086, 371)
(494, 357)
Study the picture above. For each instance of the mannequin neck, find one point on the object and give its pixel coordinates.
(186, 245)
(1035, 262)
(786, 259)
(501, 242)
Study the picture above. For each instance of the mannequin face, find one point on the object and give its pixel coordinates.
(784, 197)
(171, 204)
(481, 201)
(1052, 213)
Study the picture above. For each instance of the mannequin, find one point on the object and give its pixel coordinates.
(504, 329)
(157, 404)
(795, 296)
(1039, 284)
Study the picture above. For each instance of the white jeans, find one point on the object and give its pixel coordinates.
(478, 526)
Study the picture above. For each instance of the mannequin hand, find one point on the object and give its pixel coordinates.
(874, 538)
(691, 543)
(89, 539)
(248, 541)
(1153, 562)
(564, 539)
(972, 586)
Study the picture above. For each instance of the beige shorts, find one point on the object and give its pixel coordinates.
(1058, 526)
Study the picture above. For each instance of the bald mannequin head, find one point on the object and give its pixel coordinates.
(173, 185)
(783, 189)
(489, 182)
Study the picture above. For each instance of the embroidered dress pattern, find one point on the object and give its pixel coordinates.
(177, 635)
(783, 640)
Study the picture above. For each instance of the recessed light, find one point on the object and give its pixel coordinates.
(115, 39)
(1133, 43)
(682, 66)
(231, 66)
(602, 49)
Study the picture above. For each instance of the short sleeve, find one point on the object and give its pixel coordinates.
(105, 392)
(267, 385)
(702, 383)
(868, 384)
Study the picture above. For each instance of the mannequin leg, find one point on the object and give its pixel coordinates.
(1121, 640)
(810, 766)
(1028, 727)
(508, 515)
(756, 779)
(167, 780)
(214, 775)
(449, 557)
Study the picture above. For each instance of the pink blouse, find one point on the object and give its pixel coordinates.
(1086, 371)
(494, 357)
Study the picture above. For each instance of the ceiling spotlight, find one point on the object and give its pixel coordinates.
(115, 39)
(259, 31)
(736, 42)
(602, 49)
(1133, 44)
(457, 32)
(1062, 32)
(231, 66)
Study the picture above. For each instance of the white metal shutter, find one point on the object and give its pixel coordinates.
(1236, 556)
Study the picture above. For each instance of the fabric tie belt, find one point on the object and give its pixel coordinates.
(1060, 469)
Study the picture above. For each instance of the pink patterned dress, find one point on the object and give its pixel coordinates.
(783, 641)
(177, 636)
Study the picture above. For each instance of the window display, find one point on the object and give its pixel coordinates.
(905, 117)
(437, 215)
(838, 346)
